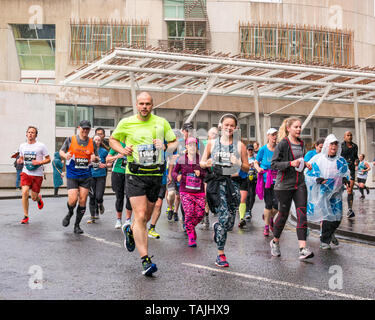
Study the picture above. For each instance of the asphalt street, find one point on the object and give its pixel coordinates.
(44, 261)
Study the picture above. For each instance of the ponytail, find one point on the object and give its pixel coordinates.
(283, 130)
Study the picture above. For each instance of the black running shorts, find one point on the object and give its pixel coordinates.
(77, 183)
(148, 186)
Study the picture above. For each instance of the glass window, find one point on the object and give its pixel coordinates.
(243, 127)
(174, 9)
(100, 122)
(35, 46)
(202, 125)
(70, 115)
(90, 41)
(296, 44)
(252, 132)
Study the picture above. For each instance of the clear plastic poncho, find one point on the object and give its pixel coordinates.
(325, 200)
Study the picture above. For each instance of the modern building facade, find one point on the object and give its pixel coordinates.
(44, 42)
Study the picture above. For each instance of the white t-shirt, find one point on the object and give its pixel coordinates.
(35, 151)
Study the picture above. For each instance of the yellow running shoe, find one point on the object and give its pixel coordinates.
(153, 234)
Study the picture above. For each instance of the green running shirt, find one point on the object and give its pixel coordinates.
(140, 134)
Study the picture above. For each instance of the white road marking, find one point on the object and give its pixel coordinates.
(102, 240)
(277, 282)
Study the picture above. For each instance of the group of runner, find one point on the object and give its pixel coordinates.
(149, 162)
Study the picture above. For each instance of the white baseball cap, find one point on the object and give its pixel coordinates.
(271, 131)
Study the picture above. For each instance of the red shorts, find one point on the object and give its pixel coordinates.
(34, 182)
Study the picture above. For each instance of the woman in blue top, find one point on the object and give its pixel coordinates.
(99, 175)
(263, 165)
(312, 153)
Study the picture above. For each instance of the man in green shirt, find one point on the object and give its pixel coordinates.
(143, 135)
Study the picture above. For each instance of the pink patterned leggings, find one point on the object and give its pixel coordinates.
(193, 205)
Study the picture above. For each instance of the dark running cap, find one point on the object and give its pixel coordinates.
(85, 124)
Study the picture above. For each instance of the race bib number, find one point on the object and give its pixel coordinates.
(193, 182)
(29, 157)
(147, 154)
(223, 158)
(81, 163)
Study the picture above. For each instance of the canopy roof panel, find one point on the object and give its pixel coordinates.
(150, 70)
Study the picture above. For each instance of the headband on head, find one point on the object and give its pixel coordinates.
(230, 115)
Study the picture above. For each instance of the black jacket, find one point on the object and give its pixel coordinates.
(213, 191)
(287, 177)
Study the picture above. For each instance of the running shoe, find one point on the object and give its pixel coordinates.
(248, 216)
(128, 222)
(129, 239)
(221, 261)
(148, 267)
(91, 220)
(175, 215)
(66, 220)
(305, 253)
(153, 234)
(324, 246)
(118, 224)
(242, 223)
(40, 203)
(362, 198)
(350, 214)
(101, 208)
(214, 227)
(275, 249)
(77, 229)
(192, 243)
(334, 240)
(266, 231)
(25, 220)
(170, 215)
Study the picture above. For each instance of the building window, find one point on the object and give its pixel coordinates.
(70, 115)
(322, 132)
(297, 44)
(306, 132)
(243, 127)
(92, 40)
(202, 125)
(100, 122)
(187, 25)
(35, 46)
(174, 9)
(252, 132)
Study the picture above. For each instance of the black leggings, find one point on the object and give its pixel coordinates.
(285, 197)
(250, 200)
(118, 187)
(96, 193)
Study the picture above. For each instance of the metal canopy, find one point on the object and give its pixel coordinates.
(150, 70)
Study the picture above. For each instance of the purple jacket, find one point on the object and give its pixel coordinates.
(189, 182)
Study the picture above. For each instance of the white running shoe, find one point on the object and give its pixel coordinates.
(118, 224)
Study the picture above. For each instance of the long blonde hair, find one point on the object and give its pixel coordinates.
(283, 130)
